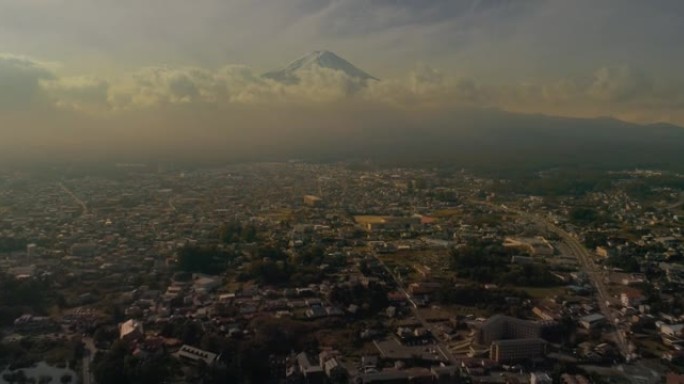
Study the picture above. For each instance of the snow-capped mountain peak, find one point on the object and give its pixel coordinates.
(323, 59)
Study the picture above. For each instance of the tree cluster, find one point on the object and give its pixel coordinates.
(490, 263)
(370, 300)
(566, 182)
(209, 260)
(236, 232)
(584, 216)
(272, 266)
(11, 244)
(240, 361)
(119, 366)
(24, 296)
(493, 300)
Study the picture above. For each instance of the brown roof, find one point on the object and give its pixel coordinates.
(673, 378)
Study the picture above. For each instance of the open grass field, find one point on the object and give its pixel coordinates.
(544, 292)
(446, 213)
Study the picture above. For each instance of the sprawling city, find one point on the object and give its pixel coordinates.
(295, 272)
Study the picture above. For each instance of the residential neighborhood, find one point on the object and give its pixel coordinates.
(296, 272)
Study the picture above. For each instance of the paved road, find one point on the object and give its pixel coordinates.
(441, 344)
(677, 204)
(171, 204)
(88, 356)
(587, 264)
(84, 207)
(596, 277)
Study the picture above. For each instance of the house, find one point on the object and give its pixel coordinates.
(194, 356)
(567, 378)
(603, 252)
(205, 283)
(672, 330)
(130, 330)
(369, 362)
(540, 378)
(592, 321)
(30, 323)
(633, 279)
(312, 372)
(386, 376)
(631, 298)
(674, 378)
(333, 368)
(545, 313)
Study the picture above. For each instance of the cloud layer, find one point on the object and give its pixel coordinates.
(620, 91)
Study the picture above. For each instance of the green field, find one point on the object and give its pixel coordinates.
(543, 292)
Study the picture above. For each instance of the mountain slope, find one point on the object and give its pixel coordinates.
(322, 59)
(497, 140)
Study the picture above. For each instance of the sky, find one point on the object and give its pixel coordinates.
(78, 74)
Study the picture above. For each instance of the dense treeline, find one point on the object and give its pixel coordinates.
(647, 188)
(580, 181)
(492, 300)
(22, 296)
(236, 232)
(584, 216)
(271, 265)
(626, 262)
(28, 351)
(118, 366)
(11, 244)
(567, 182)
(210, 260)
(490, 263)
(239, 361)
(369, 301)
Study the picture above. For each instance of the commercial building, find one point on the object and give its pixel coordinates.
(515, 350)
(388, 223)
(511, 340)
(500, 327)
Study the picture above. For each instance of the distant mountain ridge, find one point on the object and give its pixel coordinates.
(322, 59)
(494, 139)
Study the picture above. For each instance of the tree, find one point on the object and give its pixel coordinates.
(235, 232)
(339, 376)
(9, 377)
(191, 332)
(248, 234)
(583, 215)
(204, 259)
(104, 335)
(108, 367)
(118, 366)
